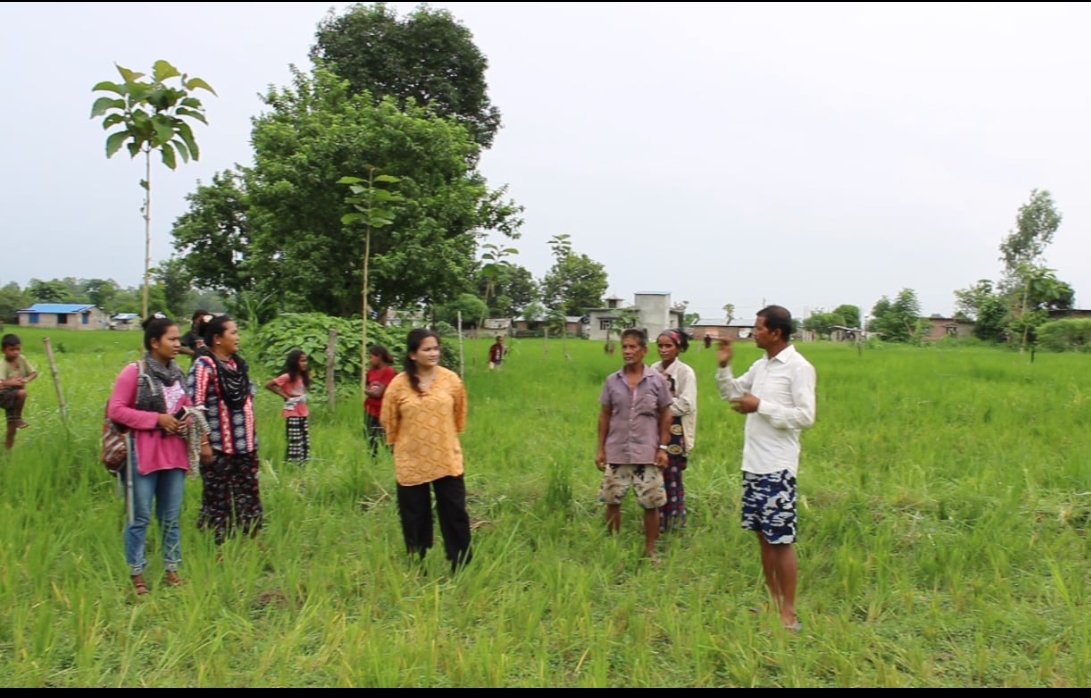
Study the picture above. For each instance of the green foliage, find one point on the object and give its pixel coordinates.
(310, 332)
(427, 59)
(900, 320)
(513, 289)
(1035, 224)
(213, 236)
(1020, 303)
(1069, 334)
(1038, 291)
(300, 252)
(150, 115)
(472, 307)
(172, 276)
(575, 282)
(821, 321)
(12, 299)
(729, 313)
(50, 292)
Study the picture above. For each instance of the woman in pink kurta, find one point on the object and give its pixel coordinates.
(148, 397)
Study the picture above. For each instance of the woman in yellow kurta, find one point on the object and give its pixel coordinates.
(424, 409)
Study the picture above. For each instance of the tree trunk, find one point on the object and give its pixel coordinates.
(147, 231)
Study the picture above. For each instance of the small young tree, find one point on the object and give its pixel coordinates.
(152, 116)
(495, 265)
(375, 208)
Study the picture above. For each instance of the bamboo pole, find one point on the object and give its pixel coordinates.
(331, 363)
(461, 353)
(56, 380)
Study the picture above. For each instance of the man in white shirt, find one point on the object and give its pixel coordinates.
(777, 395)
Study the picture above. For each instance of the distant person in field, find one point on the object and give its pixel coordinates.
(193, 341)
(424, 410)
(683, 386)
(379, 374)
(497, 352)
(149, 398)
(292, 385)
(219, 383)
(634, 437)
(777, 395)
(15, 373)
(708, 340)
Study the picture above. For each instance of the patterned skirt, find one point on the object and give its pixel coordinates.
(299, 440)
(673, 515)
(230, 496)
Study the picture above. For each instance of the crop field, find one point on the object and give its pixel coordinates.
(945, 500)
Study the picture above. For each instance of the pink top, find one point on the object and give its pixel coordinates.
(155, 449)
(294, 390)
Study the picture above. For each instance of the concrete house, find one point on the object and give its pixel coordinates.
(64, 316)
(654, 313)
(941, 327)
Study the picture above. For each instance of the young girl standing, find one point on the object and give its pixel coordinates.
(379, 374)
(292, 385)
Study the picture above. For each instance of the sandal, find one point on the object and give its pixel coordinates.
(139, 584)
(172, 579)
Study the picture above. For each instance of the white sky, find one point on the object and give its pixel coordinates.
(808, 155)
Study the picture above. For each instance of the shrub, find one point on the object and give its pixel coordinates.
(310, 332)
(1069, 334)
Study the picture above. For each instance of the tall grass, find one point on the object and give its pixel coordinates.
(943, 541)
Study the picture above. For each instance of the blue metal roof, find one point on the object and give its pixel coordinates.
(57, 308)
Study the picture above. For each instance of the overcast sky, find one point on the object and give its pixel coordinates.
(808, 155)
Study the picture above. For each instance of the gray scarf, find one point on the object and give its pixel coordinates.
(149, 387)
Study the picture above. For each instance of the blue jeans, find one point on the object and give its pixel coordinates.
(166, 487)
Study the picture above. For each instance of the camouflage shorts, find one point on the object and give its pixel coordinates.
(769, 505)
(646, 481)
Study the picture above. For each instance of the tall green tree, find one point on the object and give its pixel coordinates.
(1035, 224)
(103, 293)
(427, 58)
(172, 275)
(899, 320)
(52, 291)
(575, 282)
(1027, 290)
(305, 257)
(212, 238)
(151, 116)
(514, 288)
(986, 307)
(12, 300)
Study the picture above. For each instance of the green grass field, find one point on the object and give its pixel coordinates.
(944, 514)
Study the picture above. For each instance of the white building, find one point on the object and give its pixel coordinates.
(653, 313)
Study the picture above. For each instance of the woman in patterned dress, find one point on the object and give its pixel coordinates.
(219, 382)
(683, 383)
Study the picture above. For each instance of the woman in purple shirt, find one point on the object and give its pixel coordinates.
(147, 395)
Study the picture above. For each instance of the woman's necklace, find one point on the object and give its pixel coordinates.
(426, 381)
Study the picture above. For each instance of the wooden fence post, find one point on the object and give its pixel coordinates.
(331, 364)
(56, 380)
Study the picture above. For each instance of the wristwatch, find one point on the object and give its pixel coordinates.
(664, 447)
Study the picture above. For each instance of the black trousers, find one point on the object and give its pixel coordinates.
(415, 510)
